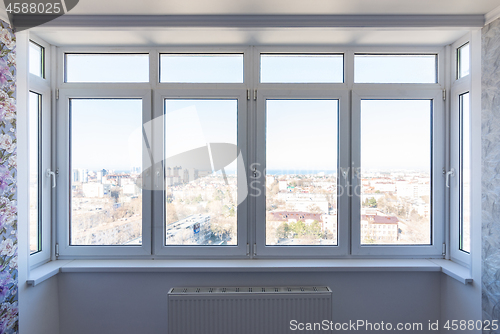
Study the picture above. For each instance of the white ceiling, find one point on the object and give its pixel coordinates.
(355, 7)
(269, 36)
(266, 36)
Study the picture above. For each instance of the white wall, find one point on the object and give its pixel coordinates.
(40, 308)
(126, 303)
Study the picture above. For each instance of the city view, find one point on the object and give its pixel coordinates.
(395, 207)
(106, 207)
(301, 180)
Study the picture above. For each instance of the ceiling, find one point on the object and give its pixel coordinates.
(258, 37)
(152, 36)
(354, 7)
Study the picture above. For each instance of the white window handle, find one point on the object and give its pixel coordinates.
(448, 174)
(53, 175)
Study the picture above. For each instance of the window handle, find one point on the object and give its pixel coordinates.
(49, 174)
(157, 182)
(450, 173)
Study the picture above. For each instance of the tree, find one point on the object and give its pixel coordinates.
(282, 231)
(314, 230)
(299, 228)
(372, 202)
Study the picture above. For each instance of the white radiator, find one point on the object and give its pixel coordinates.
(246, 310)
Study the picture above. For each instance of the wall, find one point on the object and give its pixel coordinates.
(8, 179)
(127, 303)
(491, 171)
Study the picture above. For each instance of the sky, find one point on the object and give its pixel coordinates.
(301, 134)
(395, 134)
(101, 131)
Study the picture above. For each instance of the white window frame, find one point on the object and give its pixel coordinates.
(341, 249)
(42, 87)
(459, 86)
(63, 188)
(435, 248)
(251, 237)
(200, 251)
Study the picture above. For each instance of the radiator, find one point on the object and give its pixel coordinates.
(246, 310)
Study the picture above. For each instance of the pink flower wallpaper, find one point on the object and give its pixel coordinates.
(8, 198)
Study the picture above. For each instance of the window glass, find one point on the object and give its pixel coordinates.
(201, 172)
(396, 172)
(465, 173)
(463, 61)
(301, 172)
(301, 68)
(201, 68)
(106, 162)
(34, 168)
(107, 68)
(378, 68)
(36, 59)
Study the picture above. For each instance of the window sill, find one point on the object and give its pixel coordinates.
(447, 267)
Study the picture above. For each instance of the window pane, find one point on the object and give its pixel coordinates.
(463, 61)
(294, 68)
(106, 162)
(301, 172)
(36, 59)
(107, 68)
(465, 173)
(34, 163)
(395, 68)
(201, 174)
(396, 171)
(201, 68)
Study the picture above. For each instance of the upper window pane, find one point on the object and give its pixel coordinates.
(463, 61)
(201, 172)
(301, 68)
(36, 59)
(301, 172)
(396, 172)
(34, 180)
(378, 68)
(106, 162)
(107, 68)
(201, 68)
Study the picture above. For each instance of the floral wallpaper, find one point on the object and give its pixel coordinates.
(8, 198)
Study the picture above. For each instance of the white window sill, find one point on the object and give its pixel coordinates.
(447, 267)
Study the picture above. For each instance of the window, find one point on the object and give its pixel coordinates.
(251, 152)
(201, 68)
(106, 166)
(463, 61)
(396, 170)
(34, 180)
(201, 176)
(41, 176)
(106, 68)
(460, 174)
(301, 172)
(383, 68)
(301, 68)
(465, 138)
(37, 59)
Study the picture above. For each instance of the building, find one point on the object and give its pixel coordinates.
(376, 227)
